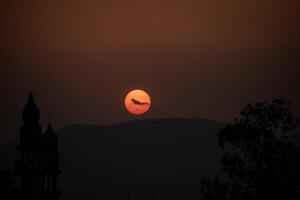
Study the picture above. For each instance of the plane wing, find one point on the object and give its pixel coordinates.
(137, 102)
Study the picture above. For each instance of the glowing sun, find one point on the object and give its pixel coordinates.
(137, 102)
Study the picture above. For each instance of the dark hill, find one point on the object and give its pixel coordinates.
(101, 162)
(107, 162)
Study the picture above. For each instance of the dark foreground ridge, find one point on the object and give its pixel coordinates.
(168, 155)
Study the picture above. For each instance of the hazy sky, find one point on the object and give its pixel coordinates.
(196, 58)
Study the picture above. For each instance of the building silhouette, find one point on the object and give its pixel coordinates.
(151, 194)
(38, 165)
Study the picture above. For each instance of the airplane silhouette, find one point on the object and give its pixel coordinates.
(136, 102)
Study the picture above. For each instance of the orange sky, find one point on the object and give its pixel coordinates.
(196, 58)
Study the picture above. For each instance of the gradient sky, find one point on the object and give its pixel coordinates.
(196, 58)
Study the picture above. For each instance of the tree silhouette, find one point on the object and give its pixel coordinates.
(259, 162)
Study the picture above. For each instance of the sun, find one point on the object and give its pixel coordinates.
(137, 102)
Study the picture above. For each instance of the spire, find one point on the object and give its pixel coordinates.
(49, 139)
(49, 129)
(50, 117)
(49, 132)
(31, 113)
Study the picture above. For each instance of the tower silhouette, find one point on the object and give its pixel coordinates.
(38, 165)
(151, 194)
(50, 164)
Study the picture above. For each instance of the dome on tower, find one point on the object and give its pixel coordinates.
(31, 113)
(49, 139)
(49, 133)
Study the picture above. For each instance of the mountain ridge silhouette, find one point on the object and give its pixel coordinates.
(108, 161)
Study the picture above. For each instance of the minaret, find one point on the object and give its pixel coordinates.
(30, 133)
(28, 166)
(50, 164)
(38, 165)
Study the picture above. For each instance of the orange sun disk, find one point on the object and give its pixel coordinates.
(137, 102)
